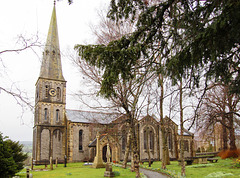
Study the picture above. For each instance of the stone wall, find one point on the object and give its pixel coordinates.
(45, 144)
(90, 130)
(57, 144)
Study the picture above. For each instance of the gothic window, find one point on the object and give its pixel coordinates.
(45, 114)
(185, 145)
(151, 139)
(169, 140)
(148, 136)
(57, 115)
(58, 93)
(46, 91)
(80, 140)
(145, 139)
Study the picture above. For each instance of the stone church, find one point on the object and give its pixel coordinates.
(59, 132)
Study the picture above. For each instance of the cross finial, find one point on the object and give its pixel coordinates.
(54, 2)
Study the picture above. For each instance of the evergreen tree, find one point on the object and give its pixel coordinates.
(11, 157)
(188, 34)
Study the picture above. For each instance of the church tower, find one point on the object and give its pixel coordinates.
(49, 131)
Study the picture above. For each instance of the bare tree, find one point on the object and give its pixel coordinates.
(22, 44)
(220, 106)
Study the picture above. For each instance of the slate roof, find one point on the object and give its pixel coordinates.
(94, 142)
(90, 116)
(185, 132)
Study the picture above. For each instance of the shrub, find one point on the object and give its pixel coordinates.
(237, 163)
(229, 154)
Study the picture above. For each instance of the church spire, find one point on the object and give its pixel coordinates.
(51, 63)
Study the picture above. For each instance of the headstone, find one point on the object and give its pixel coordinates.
(56, 161)
(27, 172)
(108, 172)
(65, 161)
(32, 164)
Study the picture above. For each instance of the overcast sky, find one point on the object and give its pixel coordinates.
(30, 18)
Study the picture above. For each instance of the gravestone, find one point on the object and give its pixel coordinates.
(108, 172)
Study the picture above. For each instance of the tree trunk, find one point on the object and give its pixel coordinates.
(176, 145)
(165, 157)
(181, 125)
(224, 135)
(148, 150)
(158, 143)
(135, 148)
(163, 144)
(127, 149)
(232, 143)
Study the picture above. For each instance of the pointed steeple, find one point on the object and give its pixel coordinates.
(51, 62)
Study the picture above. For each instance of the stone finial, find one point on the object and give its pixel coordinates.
(108, 154)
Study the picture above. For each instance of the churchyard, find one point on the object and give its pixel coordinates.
(223, 168)
(229, 167)
(74, 170)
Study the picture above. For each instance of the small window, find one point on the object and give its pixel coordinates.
(170, 141)
(46, 91)
(58, 93)
(45, 114)
(80, 140)
(145, 139)
(57, 115)
(186, 147)
(37, 92)
(151, 139)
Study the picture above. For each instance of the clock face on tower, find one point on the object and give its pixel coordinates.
(52, 92)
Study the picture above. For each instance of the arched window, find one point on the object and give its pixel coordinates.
(145, 139)
(57, 115)
(151, 139)
(170, 140)
(185, 145)
(58, 93)
(46, 91)
(45, 114)
(80, 140)
(148, 136)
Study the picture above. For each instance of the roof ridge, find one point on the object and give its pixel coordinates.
(93, 111)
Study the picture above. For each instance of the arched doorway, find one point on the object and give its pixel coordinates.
(104, 152)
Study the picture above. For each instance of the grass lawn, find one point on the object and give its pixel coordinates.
(75, 170)
(223, 168)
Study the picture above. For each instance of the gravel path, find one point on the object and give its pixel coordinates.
(152, 174)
